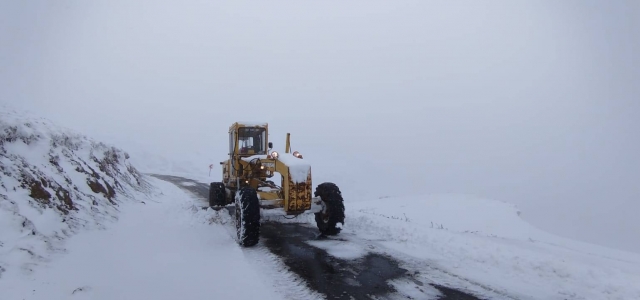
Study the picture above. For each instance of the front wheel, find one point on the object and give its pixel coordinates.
(247, 217)
(333, 209)
(217, 195)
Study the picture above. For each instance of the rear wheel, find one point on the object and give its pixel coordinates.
(217, 194)
(247, 217)
(333, 208)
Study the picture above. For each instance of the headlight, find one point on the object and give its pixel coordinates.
(274, 154)
(297, 154)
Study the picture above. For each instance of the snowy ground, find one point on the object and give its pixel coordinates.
(479, 246)
(488, 244)
(78, 220)
(162, 249)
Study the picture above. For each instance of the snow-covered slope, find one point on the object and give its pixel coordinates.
(486, 242)
(54, 182)
(77, 219)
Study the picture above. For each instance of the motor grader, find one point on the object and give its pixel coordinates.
(247, 185)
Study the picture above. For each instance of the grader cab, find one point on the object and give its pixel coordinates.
(247, 185)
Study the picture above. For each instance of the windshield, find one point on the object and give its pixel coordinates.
(252, 140)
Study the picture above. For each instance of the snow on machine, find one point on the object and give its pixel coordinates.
(246, 185)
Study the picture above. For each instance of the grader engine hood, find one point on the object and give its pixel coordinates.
(296, 182)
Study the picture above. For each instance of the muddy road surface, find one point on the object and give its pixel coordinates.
(372, 275)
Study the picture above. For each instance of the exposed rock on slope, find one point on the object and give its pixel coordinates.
(54, 182)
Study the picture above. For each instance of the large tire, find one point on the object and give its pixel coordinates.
(217, 194)
(333, 212)
(247, 217)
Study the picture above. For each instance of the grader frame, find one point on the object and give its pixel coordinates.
(246, 183)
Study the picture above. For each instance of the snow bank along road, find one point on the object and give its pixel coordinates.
(156, 250)
(345, 267)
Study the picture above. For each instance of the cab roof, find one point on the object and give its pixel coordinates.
(247, 124)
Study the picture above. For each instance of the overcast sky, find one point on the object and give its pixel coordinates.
(536, 103)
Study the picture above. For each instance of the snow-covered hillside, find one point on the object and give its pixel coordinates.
(54, 182)
(77, 219)
(57, 187)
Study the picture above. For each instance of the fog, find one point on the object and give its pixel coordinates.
(535, 103)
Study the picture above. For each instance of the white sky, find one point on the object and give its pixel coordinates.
(530, 102)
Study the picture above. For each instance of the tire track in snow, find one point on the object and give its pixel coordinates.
(288, 284)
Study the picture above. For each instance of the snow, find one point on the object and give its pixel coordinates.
(340, 249)
(483, 246)
(53, 184)
(252, 157)
(261, 124)
(299, 169)
(152, 240)
(408, 288)
(162, 249)
(486, 242)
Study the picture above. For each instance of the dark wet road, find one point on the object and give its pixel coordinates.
(366, 277)
(334, 277)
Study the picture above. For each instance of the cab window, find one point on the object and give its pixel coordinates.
(251, 141)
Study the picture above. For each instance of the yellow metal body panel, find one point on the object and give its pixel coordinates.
(297, 196)
(269, 196)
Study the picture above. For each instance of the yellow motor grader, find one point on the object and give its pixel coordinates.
(246, 184)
